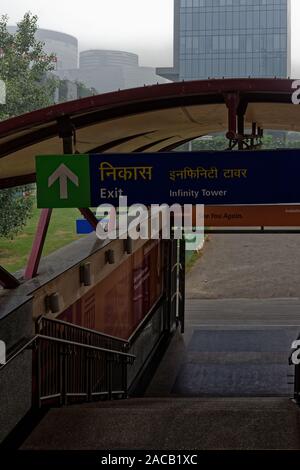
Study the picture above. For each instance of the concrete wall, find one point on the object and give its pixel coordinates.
(20, 308)
(16, 377)
(67, 284)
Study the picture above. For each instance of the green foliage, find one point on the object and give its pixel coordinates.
(219, 142)
(216, 143)
(26, 71)
(271, 142)
(24, 68)
(15, 208)
(84, 91)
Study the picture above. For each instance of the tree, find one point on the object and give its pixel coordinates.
(84, 91)
(15, 208)
(218, 142)
(26, 71)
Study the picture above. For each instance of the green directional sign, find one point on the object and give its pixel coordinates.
(63, 181)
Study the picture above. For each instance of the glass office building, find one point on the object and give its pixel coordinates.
(230, 38)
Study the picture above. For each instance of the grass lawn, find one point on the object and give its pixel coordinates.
(191, 259)
(62, 231)
(193, 256)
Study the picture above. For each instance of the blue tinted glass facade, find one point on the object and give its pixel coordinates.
(231, 38)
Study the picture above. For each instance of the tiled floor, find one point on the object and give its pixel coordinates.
(231, 348)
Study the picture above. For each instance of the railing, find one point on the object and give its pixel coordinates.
(139, 345)
(145, 338)
(72, 363)
(71, 332)
(164, 315)
(27, 344)
(68, 371)
(82, 373)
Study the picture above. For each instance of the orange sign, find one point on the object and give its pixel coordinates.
(252, 216)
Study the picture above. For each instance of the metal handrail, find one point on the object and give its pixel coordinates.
(18, 352)
(81, 328)
(85, 346)
(64, 341)
(110, 353)
(58, 361)
(145, 320)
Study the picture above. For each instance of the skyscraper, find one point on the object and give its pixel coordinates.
(230, 38)
(106, 70)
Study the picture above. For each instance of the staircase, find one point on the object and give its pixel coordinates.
(172, 421)
(171, 424)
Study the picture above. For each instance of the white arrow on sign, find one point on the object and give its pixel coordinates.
(63, 173)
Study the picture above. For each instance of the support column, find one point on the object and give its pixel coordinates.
(241, 124)
(232, 100)
(241, 130)
(65, 132)
(253, 134)
(38, 244)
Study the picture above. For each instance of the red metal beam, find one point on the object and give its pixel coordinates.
(7, 280)
(24, 131)
(262, 86)
(90, 217)
(42, 124)
(14, 181)
(38, 244)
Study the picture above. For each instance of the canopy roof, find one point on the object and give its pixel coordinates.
(148, 119)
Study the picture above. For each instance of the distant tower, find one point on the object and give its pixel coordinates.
(64, 46)
(230, 38)
(104, 58)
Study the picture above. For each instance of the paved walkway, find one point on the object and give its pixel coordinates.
(242, 314)
(236, 347)
(247, 266)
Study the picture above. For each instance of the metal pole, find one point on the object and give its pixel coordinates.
(241, 130)
(38, 244)
(182, 284)
(66, 132)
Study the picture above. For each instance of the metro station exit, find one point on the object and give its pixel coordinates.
(113, 330)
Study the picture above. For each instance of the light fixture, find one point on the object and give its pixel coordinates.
(85, 274)
(128, 245)
(52, 303)
(110, 257)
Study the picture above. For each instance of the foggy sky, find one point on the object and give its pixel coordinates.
(144, 27)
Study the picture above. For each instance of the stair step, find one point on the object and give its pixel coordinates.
(171, 423)
(171, 401)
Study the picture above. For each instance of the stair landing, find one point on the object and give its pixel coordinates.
(171, 424)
